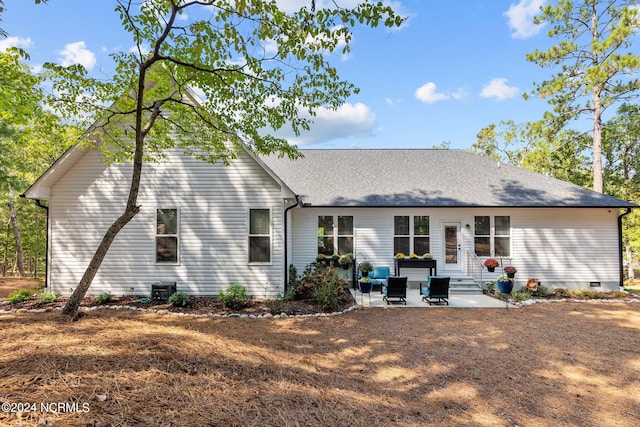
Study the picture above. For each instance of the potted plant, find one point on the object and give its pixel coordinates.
(400, 255)
(345, 261)
(510, 271)
(505, 284)
(321, 258)
(365, 267)
(335, 259)
(427, 256)
(491, 264)
(365, 284)
(414, 256)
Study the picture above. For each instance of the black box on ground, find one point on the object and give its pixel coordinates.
(162, 290)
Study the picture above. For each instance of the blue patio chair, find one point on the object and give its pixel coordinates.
(379, 276)
(436, 291)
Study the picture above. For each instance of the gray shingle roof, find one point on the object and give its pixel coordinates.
(425, 178)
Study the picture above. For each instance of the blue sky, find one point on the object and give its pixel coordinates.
(452, 69)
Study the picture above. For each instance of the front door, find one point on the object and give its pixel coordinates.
(452, 246)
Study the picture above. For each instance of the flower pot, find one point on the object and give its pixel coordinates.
(505, 287)
(511, 275)
(365, 287)
(491, 269)
(365, 274)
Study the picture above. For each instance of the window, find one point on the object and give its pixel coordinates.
(411, 234)
(167, 236)
(498, 243)
(329, 235)
(502, 239)
(259, 235)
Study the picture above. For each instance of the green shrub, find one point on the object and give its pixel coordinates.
(327, 295)
(541, 291)
(314, 277)
(521, 295)
(104, 297)
(562, 293)
(235, 297)
(293, 277)
(491, 287)
(588, 294)
(179, 299)
(276, 305)
(20, 295)
(48, 297)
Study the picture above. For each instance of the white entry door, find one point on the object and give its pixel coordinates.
(452, 246)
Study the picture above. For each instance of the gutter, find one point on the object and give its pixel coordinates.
(286, 238)
(620, 246)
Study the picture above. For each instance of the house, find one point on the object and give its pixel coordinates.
(206, 226)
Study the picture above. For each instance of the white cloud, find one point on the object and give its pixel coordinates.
(15, 42)
(77, 53)
(497, 88)
(460, 95)
(144, 49)
(520, 18)
(348, 121)
(428, 93)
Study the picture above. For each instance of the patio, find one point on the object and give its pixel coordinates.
(414, 299)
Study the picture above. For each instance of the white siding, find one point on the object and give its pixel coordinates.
(558, 246)
(213, 201)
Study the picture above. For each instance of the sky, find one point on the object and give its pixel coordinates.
(453, 68)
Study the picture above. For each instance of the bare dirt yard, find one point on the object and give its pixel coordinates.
(551, 364)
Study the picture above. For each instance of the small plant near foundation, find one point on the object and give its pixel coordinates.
(235, 297)
(179, 299)
(48, 297)
(521, 295)
(562, 293)
(589, 294)
(104, 298)
(275, 305)
(20, 295)
(491, 287)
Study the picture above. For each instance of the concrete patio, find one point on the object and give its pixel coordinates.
(414, 299)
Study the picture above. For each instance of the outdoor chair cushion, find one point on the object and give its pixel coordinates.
(379, 275)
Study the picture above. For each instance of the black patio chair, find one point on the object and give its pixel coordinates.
(436, 290)
(395, 288)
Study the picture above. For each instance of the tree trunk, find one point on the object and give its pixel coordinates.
(629, 253)
(5, 259)
(598, 181)
(16, 234)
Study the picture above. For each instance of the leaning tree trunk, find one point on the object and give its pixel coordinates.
(16, 234)
(71, 307)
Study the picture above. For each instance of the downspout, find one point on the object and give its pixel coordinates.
(286, 238)
(620, 246)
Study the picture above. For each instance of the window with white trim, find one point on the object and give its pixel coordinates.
(167, 232)
(411, 234)
(492, 239)
(259, 235)
(332, 239)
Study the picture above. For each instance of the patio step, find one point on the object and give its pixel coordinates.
(464, 286)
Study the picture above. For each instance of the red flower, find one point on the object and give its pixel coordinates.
(491, 263)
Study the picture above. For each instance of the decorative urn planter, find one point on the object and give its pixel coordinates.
(505, 287)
